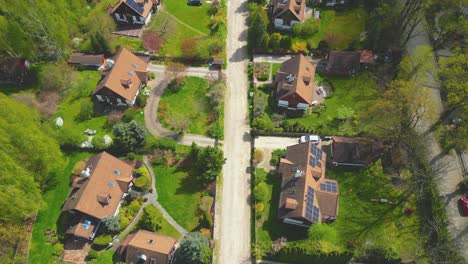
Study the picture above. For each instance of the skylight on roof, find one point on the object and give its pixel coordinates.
(134, 65)
(117, 172)
(110, 184)
(130, 73)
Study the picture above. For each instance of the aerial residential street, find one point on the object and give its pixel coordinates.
(232, 227)
(451, 171)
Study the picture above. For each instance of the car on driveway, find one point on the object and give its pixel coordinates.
(312, 138)
(464, 205)
(194, 2)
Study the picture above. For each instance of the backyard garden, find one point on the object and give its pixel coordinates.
(193, 105)
(337, 115)
(365, 225)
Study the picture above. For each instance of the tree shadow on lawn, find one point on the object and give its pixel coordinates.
(188, 184)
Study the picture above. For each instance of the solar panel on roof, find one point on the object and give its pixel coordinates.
(135, 6)
(329, 186)
(311, 212)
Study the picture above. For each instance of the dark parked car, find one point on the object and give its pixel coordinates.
(464, 205)
(194, 2)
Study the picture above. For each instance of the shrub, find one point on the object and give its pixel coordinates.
(259, 207)
(207, 220)
(102, 240)
(151, 219)
(297, 29)
(92, 254)
(133, 208)
(258, 155)
(114, 117)
(310, 27)
(79, 167)
(261, 192)
(129, 115)
(99, 143)
(276, 155)
(110, 224)
(57, 249)
(132, 195)
(299, 46)
(141, 100)
(86, 111)
(124, 222)
(70, 138)
(131, 156)
(141, 183)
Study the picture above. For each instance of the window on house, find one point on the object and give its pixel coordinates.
(152, 261)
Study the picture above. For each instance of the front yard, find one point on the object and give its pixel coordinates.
(187, 107)
(363, 226)
(337, 115)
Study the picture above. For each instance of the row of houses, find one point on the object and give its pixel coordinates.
(98, 192)
(306, 195)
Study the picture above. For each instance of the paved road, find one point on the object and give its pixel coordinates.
(156, 128)
(275, 142)
(451, 173)
(232, 225)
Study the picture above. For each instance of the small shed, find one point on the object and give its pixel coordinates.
(216, 63)
(86, 60)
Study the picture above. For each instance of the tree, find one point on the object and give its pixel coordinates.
(215, 93)
(399, 110)
(275, 40)
(189, 48)
(286, 42)
(111, 224)
(418, 66)
(86, 111)
(310, 27)
(261, 192)
(57, 77)
(258, 28)
(152, 41)
(207, 163)
(175, 71)
(193, 249)
(151, 219)
(131, 136)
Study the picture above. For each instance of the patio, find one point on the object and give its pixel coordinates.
(75, 250)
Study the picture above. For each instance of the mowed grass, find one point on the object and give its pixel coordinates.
(189, 104)
(70, 107)
(135, 44)
(360, 221)
(174, 34)
(195, 16)
(40, 251)
(179, 194)
(357, 94)
(346, 25)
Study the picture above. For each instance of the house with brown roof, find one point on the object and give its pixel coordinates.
(286, 13)
(147, 247)
(306, 197)
(86, 60)
(355, 151)
(134, 12)
(123, 76)
(295, 84)
(343, 63)
(97, 193)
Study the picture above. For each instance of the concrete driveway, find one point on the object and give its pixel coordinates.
(275, 142)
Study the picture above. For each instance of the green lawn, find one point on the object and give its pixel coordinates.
(105, 257)
(195, 16)
(70, 107)
(345, 25)
(40, 251)
(135, 44)
(350, 98)
(360, 221)
(179, 194)
(188, 107)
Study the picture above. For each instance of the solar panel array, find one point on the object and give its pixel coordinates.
(329, 186)
(312, 213)
(314, 162)
(135, 6)
(317, 152)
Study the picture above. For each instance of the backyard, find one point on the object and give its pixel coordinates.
(179, 194)
(336, 116)
(361, 225)
(339, 28)
(186, 107)
(48, 215)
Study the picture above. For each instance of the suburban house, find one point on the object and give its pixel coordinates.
(343, 63)
(286, 13)
(13, 70)
(97, 193)
(86, 60)
(355, 151)
(133, 12)
(147, 247)
(295, 85)
(306, 197)
(124, 75)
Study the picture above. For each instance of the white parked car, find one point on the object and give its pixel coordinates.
(312, 138)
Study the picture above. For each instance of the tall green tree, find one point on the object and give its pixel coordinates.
(207, 163)
(193, 249)
(151, 219)
(129, 137)
(258, 36)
